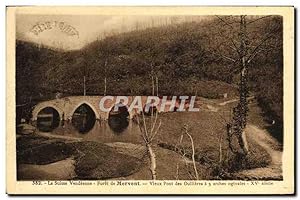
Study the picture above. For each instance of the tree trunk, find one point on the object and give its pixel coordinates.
(243, 108)
(156, 86)
(105, 86)
(229, 137)
(244, 143)
(84, 89)
(152, 158)
(105, 80)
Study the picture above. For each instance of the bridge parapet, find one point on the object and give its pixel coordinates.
(66, 106)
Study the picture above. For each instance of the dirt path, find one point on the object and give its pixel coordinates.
(264, 139)
(227, 102)
(274, 170)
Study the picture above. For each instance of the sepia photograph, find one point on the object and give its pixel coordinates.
(150, 97)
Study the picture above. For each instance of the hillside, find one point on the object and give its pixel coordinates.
(181, 56)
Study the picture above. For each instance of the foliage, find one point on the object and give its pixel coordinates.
(183, 57)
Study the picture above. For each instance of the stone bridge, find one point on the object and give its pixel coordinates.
(66, 106)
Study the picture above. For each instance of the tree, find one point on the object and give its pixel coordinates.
(149, 129)
(105, 78)
(244, 46)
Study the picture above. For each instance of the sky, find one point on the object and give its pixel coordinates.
(87, 27)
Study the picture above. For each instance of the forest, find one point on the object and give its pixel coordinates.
(191, 58)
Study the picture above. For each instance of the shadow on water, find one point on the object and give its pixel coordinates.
(83, 118)
(118, 124)
(48, 119)
(118, 118)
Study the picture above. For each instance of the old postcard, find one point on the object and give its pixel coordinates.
(150, 100)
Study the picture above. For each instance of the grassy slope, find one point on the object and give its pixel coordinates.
(208, 132)
(93, 160)
(98, 161)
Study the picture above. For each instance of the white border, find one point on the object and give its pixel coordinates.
(107, 2)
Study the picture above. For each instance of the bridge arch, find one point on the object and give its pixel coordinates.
(81, 103)
(38, 109)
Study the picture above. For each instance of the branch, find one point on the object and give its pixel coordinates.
(145, 126)
(232, 41)
(236, 48)
(253, 56)
(253, 53)
(154, 124)
(258, 19)
(155, 133)
(226, 57)
(222, 20)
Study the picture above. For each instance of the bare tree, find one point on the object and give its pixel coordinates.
(187, 155)
(237, 39)
(186, 132)
(105, 77)
(148, 132)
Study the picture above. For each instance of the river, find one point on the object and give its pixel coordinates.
(112, 130)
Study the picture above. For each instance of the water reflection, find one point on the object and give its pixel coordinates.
(118, 124)
(102, 132)
(84, 118)
(48, 119)
(118, 128)
(118, 118)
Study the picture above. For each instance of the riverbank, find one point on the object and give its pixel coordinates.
(86, 160)
(42, 158)
(104, 155)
